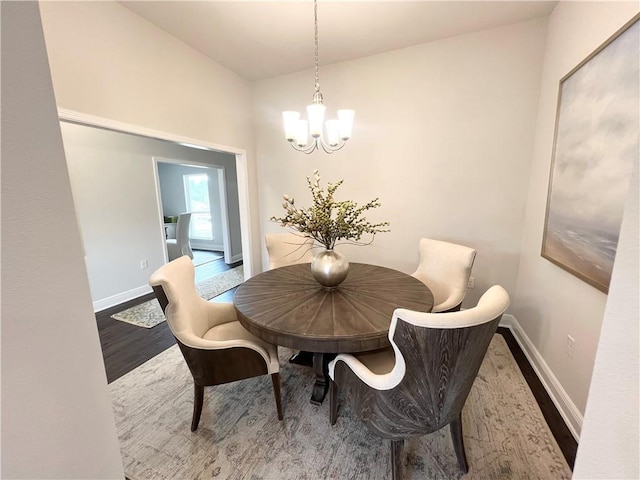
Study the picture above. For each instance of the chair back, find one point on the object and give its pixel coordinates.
(288, 249)
(445, 268)
(185, 311)
(182, 234)
(437, 358)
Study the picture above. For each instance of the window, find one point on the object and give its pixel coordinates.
(196, 189)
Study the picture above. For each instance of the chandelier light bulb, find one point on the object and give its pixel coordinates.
(302, 129)
(315, 114)
(345, 119)
(333, 132)
(290, 124)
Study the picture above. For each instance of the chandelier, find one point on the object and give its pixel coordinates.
(297, 130)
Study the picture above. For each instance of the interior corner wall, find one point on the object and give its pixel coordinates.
(443, 135)
(550, 303)
(57, 421)
(108, 62)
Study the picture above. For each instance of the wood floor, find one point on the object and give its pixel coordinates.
(125, 347)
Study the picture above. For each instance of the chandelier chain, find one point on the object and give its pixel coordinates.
(315, 18)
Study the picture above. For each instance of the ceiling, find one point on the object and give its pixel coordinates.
(261, 39)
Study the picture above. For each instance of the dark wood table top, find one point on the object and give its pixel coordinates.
(287, 307)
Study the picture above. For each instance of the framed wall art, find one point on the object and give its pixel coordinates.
(595, 147)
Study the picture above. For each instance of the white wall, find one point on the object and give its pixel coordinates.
(550, 303)
(57, 420)
(443, 135)
(108, 62)
(610, 443)
(115, 194)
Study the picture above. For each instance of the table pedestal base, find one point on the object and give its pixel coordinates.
(321, 369)
(302, 358)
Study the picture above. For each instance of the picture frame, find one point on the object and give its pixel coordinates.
(596, 144)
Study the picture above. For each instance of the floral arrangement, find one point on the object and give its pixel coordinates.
(328, 220)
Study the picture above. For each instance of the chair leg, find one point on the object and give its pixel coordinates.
(458, 443)
(333, 402)
(198, 397)
(396, 459)
(275, 379)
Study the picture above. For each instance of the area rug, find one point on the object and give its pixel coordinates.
(240, 436)
(149, 314)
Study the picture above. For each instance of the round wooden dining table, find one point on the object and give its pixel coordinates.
(286, 306)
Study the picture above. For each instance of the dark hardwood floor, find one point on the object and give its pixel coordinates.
(125, 347)
(558, 427)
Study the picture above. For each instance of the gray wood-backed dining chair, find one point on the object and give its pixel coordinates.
(445, 268)
(216, 348)
(419, 384)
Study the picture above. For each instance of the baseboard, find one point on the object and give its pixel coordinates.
(120, 298)
(207, 246)
(236, 258)
(567, 409)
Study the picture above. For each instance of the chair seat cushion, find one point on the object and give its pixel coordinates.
(380, 362)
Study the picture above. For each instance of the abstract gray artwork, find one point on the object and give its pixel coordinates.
(596, 145)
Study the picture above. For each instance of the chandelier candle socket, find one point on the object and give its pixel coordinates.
(297, 130)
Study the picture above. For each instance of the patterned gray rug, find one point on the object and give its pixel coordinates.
(149, 314)
(240, 436)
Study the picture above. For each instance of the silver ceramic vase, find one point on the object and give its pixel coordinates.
(329, 268)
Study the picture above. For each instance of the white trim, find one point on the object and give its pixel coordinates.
(245, 215)
(162, 237)
(121, 298)
(86, 119)
(237, 258)
(224, 215)
(567, 409)
(210, 247)
(241, 168)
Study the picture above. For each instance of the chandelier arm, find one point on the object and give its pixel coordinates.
(329, 149)
(306, 149)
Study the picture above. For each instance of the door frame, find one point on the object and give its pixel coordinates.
(220, 179)
(240, 156)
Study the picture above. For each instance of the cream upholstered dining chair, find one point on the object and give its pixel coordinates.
(419, 384)
(181, 245)
(215, 346)
(445, 268)
(288, 249)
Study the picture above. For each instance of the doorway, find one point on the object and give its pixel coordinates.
(203, 191)
(117, 203)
